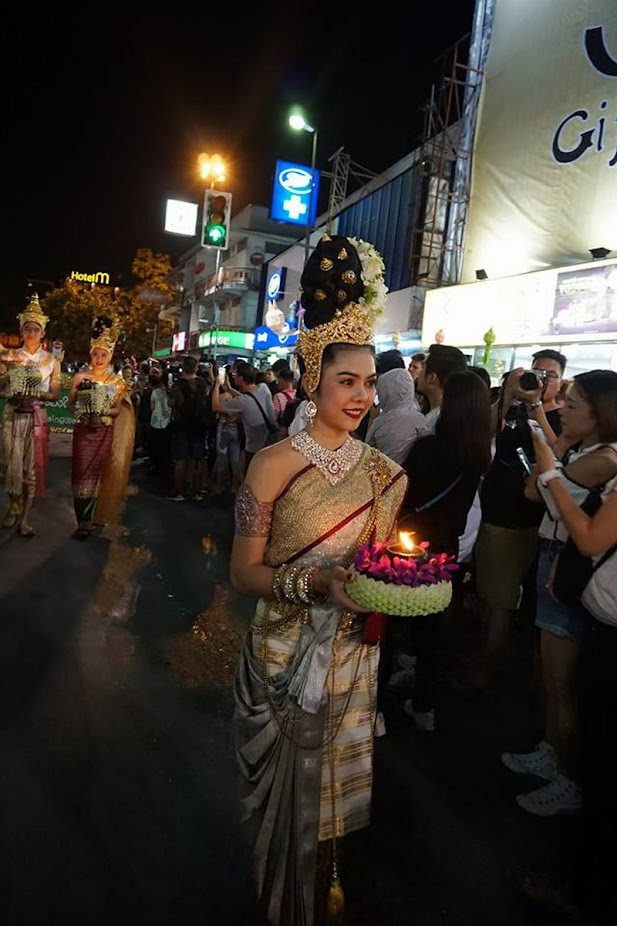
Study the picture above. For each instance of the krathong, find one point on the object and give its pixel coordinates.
(406, 583)
(25, 379)
(92, 398)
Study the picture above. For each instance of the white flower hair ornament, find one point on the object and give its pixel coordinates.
(373, 269)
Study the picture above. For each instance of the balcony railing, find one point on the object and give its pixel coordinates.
(230, 281)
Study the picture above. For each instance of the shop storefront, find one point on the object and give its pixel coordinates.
(500, 323)
(227, 346)
(273, 345)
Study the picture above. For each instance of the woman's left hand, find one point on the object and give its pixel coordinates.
(332, 582)
(544, 454)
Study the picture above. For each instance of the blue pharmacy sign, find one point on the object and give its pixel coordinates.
(266, 339)
(291, 194)
(275, 287)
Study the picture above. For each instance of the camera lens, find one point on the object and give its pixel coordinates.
(529, 381)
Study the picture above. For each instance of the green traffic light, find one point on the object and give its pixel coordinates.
(215, 233)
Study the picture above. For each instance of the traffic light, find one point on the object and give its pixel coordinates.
(217, 217)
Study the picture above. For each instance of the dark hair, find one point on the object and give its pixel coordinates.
(389, 360)
(286, 374)
(189, 365)
(420, 358)
(279, 365)
(465, 419)
(99, 324)
(444, 360)
(483, 373)
(599, 389)
(247, 371)
(155, 380)
(550, 354)
(330, 281)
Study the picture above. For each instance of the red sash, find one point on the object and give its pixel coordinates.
(41, 447)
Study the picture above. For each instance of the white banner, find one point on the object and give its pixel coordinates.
(544, 176)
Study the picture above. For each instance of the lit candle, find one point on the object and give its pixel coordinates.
(406, 548)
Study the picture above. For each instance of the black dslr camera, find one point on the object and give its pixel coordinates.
(533, 379)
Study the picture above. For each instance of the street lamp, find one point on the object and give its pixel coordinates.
(212, 168)
(299, 124)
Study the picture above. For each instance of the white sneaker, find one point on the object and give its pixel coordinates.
(379, 728)
(402, 678)
(542, 761)
(559, 796)
(423, 720)
(406, 661)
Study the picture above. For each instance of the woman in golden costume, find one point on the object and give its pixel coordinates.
(103, 436)
(30, 376)
(305, 686)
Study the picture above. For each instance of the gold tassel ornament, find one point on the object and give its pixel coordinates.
(335, 905)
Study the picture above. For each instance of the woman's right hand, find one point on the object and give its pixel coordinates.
(545, 457)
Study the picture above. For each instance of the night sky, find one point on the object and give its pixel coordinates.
(103, 120)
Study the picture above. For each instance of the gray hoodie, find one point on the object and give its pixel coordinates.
(399, 423)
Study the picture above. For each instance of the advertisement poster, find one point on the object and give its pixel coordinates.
(585, 301)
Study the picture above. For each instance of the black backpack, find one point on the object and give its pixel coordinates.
(194, 413)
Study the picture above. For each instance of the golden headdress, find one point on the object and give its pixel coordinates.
(33, 313)
(104, 334)
(343, 293)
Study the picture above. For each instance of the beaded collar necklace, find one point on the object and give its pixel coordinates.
(334, 464)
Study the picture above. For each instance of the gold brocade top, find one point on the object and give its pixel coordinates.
(310, 507)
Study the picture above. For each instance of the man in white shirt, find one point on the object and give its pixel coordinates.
(252, 401)
(441, 361)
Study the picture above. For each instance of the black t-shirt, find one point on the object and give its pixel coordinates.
(443, 488)
(192, 406)
(503, 490)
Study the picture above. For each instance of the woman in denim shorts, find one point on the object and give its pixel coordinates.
(590, 462)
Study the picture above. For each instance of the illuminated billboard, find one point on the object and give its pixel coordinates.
(181, 218)
(562, 304)
(544, 170)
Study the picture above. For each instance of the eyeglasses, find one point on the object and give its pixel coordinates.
(549, 374)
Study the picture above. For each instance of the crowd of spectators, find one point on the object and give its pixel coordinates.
(469, 450)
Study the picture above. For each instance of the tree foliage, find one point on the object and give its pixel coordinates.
(73, 306)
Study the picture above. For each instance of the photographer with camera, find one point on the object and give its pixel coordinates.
(507, 542)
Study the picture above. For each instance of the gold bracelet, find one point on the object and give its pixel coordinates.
(305, 590)
(288, 582)
(276, 582)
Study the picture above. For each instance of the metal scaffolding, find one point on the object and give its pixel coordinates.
(342, 168)
(444, 169)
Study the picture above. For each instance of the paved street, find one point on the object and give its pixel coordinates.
(117, 776)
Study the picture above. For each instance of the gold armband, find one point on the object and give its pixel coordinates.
(253, 518)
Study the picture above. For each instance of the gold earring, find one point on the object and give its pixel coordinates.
(311, 411)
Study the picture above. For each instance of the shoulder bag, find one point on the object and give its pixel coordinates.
(433, 501)
(273, 431)
(573, 569)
